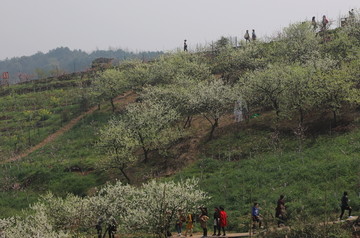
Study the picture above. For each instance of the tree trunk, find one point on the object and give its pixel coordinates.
(125, 175)
(146, 154)
(301, 112)
(112, 104)
(188, 122)
(213, 126)
(334, 118)
(146, 151)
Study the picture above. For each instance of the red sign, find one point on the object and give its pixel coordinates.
(5, 75)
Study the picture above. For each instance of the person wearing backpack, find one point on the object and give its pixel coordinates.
(203, 220)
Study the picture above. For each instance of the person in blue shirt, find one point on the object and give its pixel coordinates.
(256, 217)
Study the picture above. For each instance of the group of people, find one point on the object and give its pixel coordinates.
(280, 211)
(220, 219)
(219, 222)
(324, 23)
(280, 214)
(247, 36)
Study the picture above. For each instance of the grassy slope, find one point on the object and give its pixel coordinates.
(21, 125)
(243, 166)
(240, 166)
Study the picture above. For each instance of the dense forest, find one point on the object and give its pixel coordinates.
(62, 60)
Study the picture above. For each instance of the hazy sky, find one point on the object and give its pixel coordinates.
(29, 26)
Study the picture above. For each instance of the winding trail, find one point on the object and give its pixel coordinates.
(67, 127)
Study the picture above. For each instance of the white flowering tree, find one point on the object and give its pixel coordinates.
(108, 85)
(297, 43)
(212, 99)
(157, 204)
(267, 87)
(177, 96)
(119, 143)
(149, 208)
(168, 67)
(152, 125)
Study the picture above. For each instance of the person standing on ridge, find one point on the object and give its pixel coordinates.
(247, 36)
(345, 205)
(185, 46)
(313, 23)
(253, 35)
(324, 22)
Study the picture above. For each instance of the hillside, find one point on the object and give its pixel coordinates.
(249, 123)
(62, 60)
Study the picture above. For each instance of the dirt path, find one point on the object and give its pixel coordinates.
(67, 127)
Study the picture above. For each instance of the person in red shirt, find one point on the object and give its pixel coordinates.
(223, 219)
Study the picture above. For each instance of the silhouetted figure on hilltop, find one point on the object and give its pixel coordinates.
(313, 23)
(247, 36)
(185, 46)
(324, 22)
(253, 35)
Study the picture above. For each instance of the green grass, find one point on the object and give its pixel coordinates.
(21, 123)
(313, 180)
(68, 165)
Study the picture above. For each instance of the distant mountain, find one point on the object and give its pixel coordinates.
(61, 60)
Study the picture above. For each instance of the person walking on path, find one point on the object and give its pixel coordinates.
(253, 35)
(185, 46)
(189, 224)
(247, 36)
(216, 222)
(280, 213)
(203, 220)
(223, 219)
(256, 218)
(345, 205)
(179, 221)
